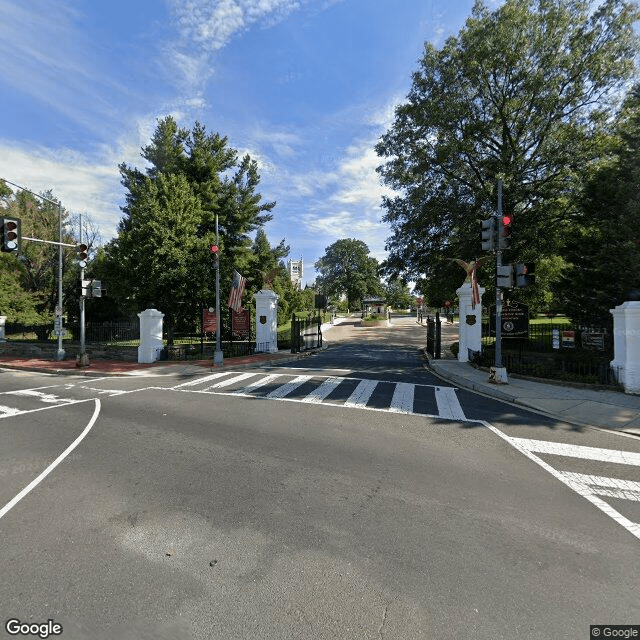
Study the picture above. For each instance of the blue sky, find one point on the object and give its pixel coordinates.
(306, 87)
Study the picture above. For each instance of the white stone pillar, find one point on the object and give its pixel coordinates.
(470, 325)
(151, 343)
(266, 320)
(3, 321)
(626, 345)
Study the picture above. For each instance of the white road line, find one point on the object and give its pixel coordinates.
(579, 451)
(581, 489)
(20, 412)
(229, 381)
(36, 481)
(257, 384)
(319, 394)
(448, 404)
(43, 397)
(8, 411)
(361, 394)
(602, 486)
(287, 388)
(193, 383)
(402, 401)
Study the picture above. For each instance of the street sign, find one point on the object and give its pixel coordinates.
(568, 339)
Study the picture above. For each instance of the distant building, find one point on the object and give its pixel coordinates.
(295, 272)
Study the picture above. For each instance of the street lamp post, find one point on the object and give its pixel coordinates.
(218, 356)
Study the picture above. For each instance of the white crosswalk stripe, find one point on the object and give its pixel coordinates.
(321, 392)
(254, 386)
(287, 388)
(361, 393)
(402, 401)
(448, 404)
(229, 381)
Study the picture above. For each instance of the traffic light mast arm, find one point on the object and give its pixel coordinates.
(59, 244)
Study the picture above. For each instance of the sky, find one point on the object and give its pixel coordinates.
(305, 87)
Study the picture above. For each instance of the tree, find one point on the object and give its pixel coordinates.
(397, 294)
(162, 249)
(521, 95)
(346, 268)
(603, 248)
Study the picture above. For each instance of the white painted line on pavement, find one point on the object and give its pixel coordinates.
(402, 401)
(229, 381)
(43, 397)
(361, 394)
(257, 384)
(36, 481)
(8, 411)
(287, 388)
(579, 451)
(581, 489)
(319, 394)
(193, 383)
(448, 404)
(611, 487)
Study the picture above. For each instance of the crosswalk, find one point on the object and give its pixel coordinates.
(614, 495)
(354, 393)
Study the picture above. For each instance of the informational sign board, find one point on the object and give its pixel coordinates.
(514, 320)
(240, 322)
(593, 340)
(555, 338)
(209, 321)
(568, 339)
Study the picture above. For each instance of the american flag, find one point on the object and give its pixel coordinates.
(237, 289)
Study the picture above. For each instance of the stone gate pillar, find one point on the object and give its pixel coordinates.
(470, 331)
(3, 320)
(626, 345)
(151, 343)
(266, 320)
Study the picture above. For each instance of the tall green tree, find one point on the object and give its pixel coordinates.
(603, 248)
(191, 177)
(346, 268)
(521, 95)
(397, 294)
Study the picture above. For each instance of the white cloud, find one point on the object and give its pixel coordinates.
(206, 27)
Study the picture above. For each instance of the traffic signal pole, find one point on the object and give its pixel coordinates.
(498, 373)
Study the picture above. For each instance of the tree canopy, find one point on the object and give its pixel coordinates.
(603, 247)
(523, 94)
(161, 253)
(346, 268)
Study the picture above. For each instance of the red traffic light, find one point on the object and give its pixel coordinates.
(11, 230)
(213, 249)
(507, 219)
(81, 250)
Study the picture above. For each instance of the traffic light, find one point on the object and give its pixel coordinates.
(504, 231)
(11, 235)
(489, 234)
(214, 252)
(81, 253)
(525, 274)
(504, 276)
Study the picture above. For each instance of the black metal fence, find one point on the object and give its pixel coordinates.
(555, 351)
(100, 333)
(306, 333)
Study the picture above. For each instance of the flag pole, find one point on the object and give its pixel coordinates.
(218, 356)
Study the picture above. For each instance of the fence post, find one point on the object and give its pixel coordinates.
(437, 347)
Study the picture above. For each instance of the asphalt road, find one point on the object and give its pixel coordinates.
(352, 495)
